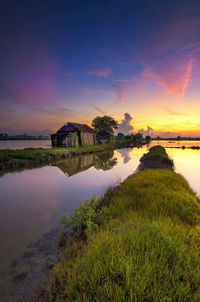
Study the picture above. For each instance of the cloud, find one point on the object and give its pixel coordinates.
(167, 134)
(123, 81)
(174, 77)
(101, 73)
(173, 112)
(120, 96)
(125, 126)
(170, 53)
(124, 62)
(149, 131)
(97, 108)
(30, 75)
(60, 111)
(125, 154)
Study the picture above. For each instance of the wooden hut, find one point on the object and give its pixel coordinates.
(73, 135)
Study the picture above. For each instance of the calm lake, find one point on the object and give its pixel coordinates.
(32, 201)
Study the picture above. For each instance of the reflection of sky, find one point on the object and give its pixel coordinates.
(187, 163)
(125, 154)
(169, 144)
(75, 60)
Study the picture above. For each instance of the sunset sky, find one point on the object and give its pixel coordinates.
(73, 60)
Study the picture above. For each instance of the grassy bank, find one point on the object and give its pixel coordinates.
(28, 157)
(146, 247)
(157, 157)
(33, 156)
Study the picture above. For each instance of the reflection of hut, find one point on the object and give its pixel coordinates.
(104, 137)
(73, 135)
(76, 164)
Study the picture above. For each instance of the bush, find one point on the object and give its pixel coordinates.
(157, 153)
(84, 219)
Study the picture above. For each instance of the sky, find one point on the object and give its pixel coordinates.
(74, 60)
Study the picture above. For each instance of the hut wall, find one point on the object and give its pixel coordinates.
(87, 138)
(74, 138)
(70, 140)
(53, 140)
(66, 141)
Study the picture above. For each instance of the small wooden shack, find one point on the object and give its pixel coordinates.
(73, 135)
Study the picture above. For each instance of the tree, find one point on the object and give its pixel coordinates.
(3, 135)
(148, 138)
(138, 136)
(120, 136)
(104, 123)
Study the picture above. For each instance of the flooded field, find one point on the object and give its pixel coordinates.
(32, 201)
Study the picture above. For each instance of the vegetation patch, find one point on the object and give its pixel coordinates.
(146, 247)
(157, 157)
(84, 219)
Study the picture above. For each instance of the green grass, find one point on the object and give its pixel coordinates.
(37, 153)
(147, 247)
(157, 153)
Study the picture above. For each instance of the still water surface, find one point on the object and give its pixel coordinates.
(21, 144)
(31, 202)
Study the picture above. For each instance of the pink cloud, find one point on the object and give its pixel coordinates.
(154, 103)
(36, 84)
(97, 108)
(102, 73)
(173, 77)
(32, 81)
(120, 96)
(173, 51)
(123, 81)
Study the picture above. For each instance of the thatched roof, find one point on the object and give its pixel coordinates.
(71, 127)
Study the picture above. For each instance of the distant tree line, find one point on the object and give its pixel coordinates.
(178, 138)
(5, 136)
(132, 137)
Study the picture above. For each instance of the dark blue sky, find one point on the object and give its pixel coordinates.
(72, 60)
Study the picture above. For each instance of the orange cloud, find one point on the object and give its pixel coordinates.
(173, 112)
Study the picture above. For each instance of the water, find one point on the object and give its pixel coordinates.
(22, 144)
(175, 143)
(32, 201)
(187, 161)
